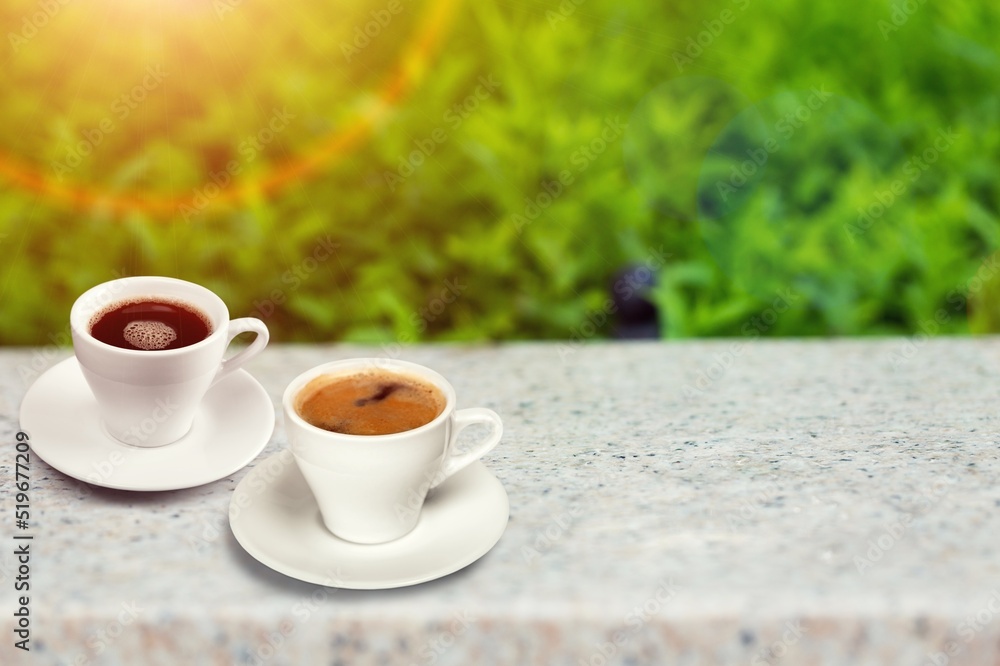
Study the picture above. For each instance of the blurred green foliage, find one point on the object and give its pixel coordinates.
(473, 209)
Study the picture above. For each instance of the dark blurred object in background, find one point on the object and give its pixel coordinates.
(636, 317)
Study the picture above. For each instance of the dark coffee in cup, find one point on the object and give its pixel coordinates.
(373, 402)
(153, 324)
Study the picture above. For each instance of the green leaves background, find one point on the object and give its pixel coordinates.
(564, 71)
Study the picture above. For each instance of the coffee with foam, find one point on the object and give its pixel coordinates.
(150, 324)
(373, 402)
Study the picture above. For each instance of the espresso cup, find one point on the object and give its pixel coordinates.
(149, 398)
(371, 488)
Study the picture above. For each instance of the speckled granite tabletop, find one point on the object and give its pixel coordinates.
(792, 502)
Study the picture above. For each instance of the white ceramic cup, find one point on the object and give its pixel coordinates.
(370, 488)
(149, 398)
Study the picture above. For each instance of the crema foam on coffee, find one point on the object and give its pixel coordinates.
(373, 402)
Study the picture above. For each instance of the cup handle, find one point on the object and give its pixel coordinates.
(237, 326)
(455, 462)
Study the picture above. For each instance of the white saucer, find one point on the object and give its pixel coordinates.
(233, 424)
(279, 524)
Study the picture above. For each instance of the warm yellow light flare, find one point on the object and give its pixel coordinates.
(59, 186)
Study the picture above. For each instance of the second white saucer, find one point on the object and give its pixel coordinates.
(233, 424)
(276, 519)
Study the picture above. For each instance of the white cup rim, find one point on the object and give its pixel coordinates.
(82, 328)
(388, 364)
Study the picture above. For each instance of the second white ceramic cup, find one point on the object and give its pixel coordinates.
(370, 488)
(149, 398)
